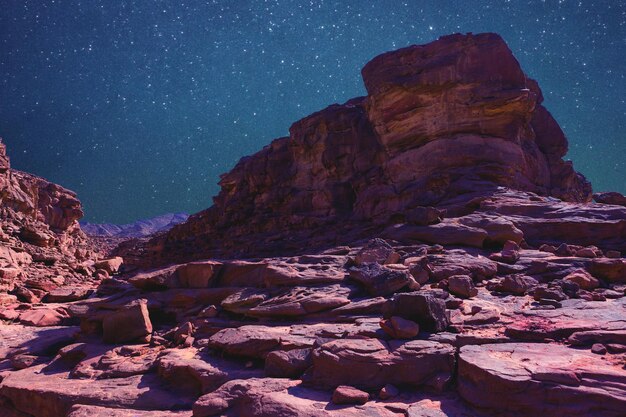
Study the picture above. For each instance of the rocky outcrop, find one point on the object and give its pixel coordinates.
(41, 244)
(440, 122)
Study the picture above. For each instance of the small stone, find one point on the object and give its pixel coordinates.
(208, 312)
(547, 248)
(565, 250)
(598, 349)
(586, 253)
(613, 254)
(388, 391)
(344, 394)
(22, 361)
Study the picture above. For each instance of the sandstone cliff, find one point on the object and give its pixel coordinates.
(441, 122)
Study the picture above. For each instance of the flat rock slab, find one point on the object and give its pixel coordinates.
(532, 379)
(373, 363)
(53, 394)
(17, 339)
(574, 316)
(271, 397)
(95, 411)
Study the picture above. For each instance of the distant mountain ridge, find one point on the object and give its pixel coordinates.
(140, 228)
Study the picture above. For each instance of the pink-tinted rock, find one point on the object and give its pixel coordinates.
(112, 265)
(372, 363)
(610, 198)
(540, 379)
(287, 364)
(583, 279)
(376, 251)
(38, 393)
(43, 317)
(388, 391)
(380, 280)
(130, 323)
(344, 394)
(516, 284)
(611, 270)
(462, 286)
(399, 328)
(197, 274)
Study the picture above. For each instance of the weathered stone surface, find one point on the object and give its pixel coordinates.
(271, 397)
(372, 363)
(379, 280)
(376, 251)
(40, 238)
(540, 379)
(52, 395)
(95, 411)
(462, 286)
(197, 274)
(424, 308)
(294, 302)
(111, 266)
(516, 284)
(128, 324)
(344, 394)
(399, 328)
(197, 373)
(450, 158)
(287, 364)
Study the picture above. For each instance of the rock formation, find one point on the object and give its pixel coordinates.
(441, 123)
(422, 251)
(42, 247)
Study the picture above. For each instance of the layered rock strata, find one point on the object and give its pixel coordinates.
(440, 122)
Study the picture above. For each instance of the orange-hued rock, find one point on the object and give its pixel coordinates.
(450, 118)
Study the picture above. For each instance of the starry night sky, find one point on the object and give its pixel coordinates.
(139, 105)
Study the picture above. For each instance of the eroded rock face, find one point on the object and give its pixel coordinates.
(42, 246)
(450, 118)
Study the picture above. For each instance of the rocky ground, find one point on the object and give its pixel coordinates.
(501, 294)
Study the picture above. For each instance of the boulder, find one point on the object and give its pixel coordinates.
(380, 280)
(128, 324)
(111, 266)
(344, 394)
(462, 286)
(399, 328)
(424, 308)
